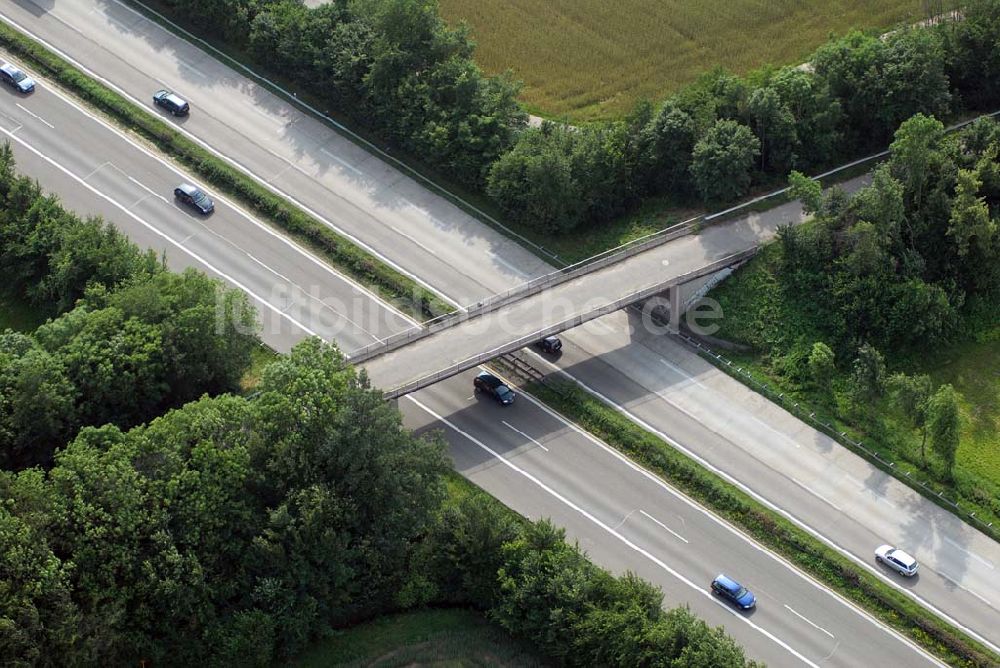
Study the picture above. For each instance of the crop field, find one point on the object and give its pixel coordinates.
(589, 59)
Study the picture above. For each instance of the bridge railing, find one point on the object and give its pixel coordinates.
(525, 289)
(596, 312)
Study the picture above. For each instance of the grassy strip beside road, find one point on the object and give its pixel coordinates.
(390, 284)
(764, 525)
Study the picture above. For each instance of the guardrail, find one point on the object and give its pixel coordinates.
(569, 323)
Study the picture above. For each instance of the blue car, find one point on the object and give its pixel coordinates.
(734, 592)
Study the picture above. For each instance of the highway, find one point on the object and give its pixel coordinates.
(366, 198)
(96, 170)
(616, 511)
(467, 261)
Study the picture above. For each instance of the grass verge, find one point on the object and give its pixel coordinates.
(393, 286)
(449, 637)
(764, 525)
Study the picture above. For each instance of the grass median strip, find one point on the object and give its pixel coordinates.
(393, 286)
(764, 525)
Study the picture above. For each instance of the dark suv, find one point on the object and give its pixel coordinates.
(550, 345)
(171, 102)
(493, 386)
(194, 198)
(734, 592)
(16, 79)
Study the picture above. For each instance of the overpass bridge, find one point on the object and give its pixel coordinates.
(424, 355)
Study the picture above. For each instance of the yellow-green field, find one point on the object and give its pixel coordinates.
(589, 59)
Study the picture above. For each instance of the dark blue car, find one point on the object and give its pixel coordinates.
(734, 592)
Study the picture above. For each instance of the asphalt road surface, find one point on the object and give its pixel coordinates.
(98, 171)
(467, 261)
(621, 515)
(354, 192)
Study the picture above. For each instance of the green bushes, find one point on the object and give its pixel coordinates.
(401, 290)
(129, 339)
(530, 581)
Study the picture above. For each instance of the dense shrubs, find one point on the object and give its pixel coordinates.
(895, 265)
(130, 339)
(393, 66)
(236, 530)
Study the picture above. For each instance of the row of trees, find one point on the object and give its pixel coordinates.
(235, 530)
(394, 66)
(128, 341)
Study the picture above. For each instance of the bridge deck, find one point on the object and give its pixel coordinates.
(478, 339)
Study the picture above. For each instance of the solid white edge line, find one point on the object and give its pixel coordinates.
(784, 513)
(156, 231)
(368, 249)
(651, 557)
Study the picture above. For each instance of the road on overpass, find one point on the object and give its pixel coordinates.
(467, 262)
(518, 323)
(799, 622)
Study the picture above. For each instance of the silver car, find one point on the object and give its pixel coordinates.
(896, 559)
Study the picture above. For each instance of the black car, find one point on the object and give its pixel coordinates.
(550, 344)
(734, 592)
(194, 197)
(171, 102)
(493, 386)
(16, 79)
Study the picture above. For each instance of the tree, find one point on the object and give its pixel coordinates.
(806, 190)
(37, 403)
(722, 161)
(668, 141)
(39, 623)
(534, 183)
(944, 425)
(911, 396)
(774, 126)
(868, 375)
(822, 365)
(915, 144)
(970, 225)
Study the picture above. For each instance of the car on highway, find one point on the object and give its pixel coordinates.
(494, 387)
(550, 344)
(171, 102)
(16, 79)
(896, 559)
(734, 592)
(194, 197)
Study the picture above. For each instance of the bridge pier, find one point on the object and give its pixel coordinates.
(674, 295)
